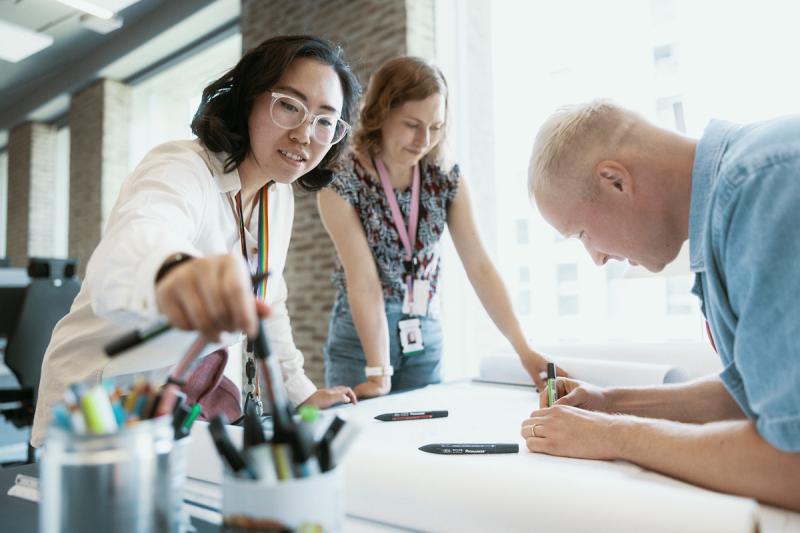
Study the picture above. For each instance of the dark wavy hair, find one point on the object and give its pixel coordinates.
(221, 121)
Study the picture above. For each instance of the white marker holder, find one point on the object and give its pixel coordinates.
(292, 503)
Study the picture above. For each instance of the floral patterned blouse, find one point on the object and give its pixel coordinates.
(361, 189)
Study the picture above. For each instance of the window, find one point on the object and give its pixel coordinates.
(679, 302)
(523, 304)
(522, 231)
(659, 66)
(662, 53)
(162, 106)
(567, 280)
(567, 273)
(3, 201)
(669, 113)
(567, 304)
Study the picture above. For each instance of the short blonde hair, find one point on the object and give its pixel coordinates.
(572, 138)
(396, 82)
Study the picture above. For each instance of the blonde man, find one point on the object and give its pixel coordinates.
(632, 191)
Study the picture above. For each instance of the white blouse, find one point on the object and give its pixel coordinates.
(178, 199)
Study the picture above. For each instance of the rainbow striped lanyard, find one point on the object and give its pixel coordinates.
(253, 383)
(263, 239)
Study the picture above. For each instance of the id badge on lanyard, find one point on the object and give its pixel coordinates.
(252, 388)
(415, 299)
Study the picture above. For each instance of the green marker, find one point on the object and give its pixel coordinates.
(193, 414)
(308, 413)
(97, 411)
(552, 389)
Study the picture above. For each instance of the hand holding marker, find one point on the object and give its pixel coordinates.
(293, 449)
(100, 409)
(185, 366)
(552, 386)
(139, 336)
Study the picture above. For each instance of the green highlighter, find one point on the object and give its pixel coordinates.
(552, 390)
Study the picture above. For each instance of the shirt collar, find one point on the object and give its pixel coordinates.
(707, 159)
(226, 181)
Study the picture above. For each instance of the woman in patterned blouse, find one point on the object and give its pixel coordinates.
(386, 210)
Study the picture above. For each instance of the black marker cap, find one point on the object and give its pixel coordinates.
(551, 371)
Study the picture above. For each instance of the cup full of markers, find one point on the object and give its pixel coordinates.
(114, 460)
(288, 480)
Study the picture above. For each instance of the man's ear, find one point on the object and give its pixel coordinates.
(613, 176)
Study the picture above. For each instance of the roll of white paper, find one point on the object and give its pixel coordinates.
(509, 370)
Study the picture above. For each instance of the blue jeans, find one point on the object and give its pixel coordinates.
(345, 360)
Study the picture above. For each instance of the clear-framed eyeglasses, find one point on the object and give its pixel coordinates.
(288, 112)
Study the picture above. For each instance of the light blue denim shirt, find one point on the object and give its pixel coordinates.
(744, 236)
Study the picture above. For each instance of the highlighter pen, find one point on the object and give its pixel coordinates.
(130, 401)
(324, 454)
(98, 411)
(238, 464)
(179, 415)
(262, 459)
(282, 455)
(552, 388)
(271, 373)
(343, 442)
(469, 449)
(410, 415)
(193, 414)
(61, 417)
(137, 337)
(303, 446)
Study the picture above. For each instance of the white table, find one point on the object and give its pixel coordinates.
(388, 480)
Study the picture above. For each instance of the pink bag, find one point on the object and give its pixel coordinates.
(210, 388)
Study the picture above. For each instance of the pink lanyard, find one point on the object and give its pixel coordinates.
(407, 236)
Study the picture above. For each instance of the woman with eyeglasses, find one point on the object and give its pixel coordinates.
(196, 218)
(386, 211)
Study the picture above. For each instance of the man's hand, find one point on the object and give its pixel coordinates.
(325, 398)
(578, 394)
(374, 386)
(210, 295)
(571, 432)
(536, 366)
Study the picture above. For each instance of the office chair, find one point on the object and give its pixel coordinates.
(48, 297)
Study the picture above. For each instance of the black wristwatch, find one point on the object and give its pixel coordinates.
(170, 263)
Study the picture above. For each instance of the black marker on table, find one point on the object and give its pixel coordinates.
(470, 449)
(410, 415)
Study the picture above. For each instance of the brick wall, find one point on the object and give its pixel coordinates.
(371, 31)
(31, 180)
(99, 124)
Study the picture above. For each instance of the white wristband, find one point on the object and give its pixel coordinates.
(384, 371)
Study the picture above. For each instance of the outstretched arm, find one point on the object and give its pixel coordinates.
(728, 456)
(487, 283)
(364, 292)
